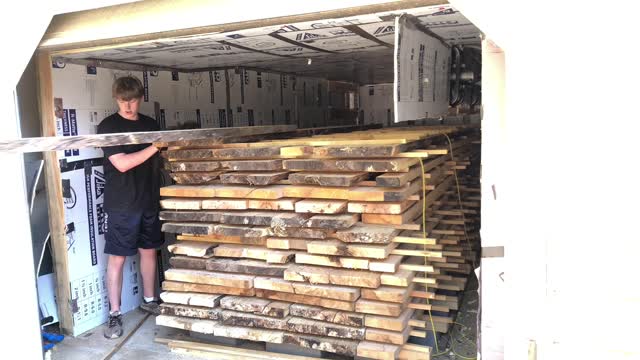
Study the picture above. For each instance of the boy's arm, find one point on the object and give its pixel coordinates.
(125, 162)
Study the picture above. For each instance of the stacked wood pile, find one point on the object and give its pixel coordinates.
(347, 243)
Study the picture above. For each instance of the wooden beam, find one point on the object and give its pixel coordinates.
(161, 138)
(53, 183)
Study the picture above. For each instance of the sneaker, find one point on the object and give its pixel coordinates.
(114, 326)
(151, 307)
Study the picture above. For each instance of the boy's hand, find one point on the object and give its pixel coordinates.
(160, 146)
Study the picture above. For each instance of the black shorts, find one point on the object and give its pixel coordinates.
(127, 231)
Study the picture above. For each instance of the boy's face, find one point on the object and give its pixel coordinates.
(128, 109)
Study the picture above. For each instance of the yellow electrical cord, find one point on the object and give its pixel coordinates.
(424, 233)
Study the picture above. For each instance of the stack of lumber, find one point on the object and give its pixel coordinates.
(347, 243)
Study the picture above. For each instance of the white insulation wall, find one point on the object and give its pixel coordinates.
(195, 97)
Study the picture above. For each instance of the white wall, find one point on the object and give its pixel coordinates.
(568, 146)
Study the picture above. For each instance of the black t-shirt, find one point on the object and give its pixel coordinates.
(138, 188)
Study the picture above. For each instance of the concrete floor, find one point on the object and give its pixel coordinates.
(93, 345)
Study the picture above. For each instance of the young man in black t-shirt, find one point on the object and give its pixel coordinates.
(131, 200)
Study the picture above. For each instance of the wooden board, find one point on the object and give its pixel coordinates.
(398, 179)
(223, 239)
(244, 304)
(190, 166)
(327, 178)
(190, 216)
(219, 352)
(378, 308)
(333, 261)
(387, 336)
(211, 278)
(224, 153)
(251, 192)
(304, 233)
(253, 178)
(388, 265)
(333, 345)
(400, 278)
(276, 205)
(393, 194)
(399, 219)
(367, 234)
(315, 327)
(252, 165)
(192, 248)
(314, 312)
(181, 204)
(225, 204)
(337, 222)
(356, 193)
(52, 143)
(196, 178)
(254, 252)
(316, 192)
(377, 351)
(338, 248)
(235, 318)
(188, 262)
(325, 291)
(328, 315)
(393, 323)
(321, 206)
(365, 207)
(304, 299)
(257, 218)
(368, 165)
(224, 191)
(277, 309)
(388, 293)
(205, 288)
(242, 266)
(287, 243)
(198, 325)
(190, 311)
(321, 275)
(247, 333)
(191, 298)
(215, 229)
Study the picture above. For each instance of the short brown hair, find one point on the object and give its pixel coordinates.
(127, 88)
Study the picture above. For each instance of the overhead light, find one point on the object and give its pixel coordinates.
(308, 61)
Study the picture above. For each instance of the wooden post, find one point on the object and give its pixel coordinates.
(54, 194)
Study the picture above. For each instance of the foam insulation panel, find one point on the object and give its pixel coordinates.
(357, 49)
(421, 68)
